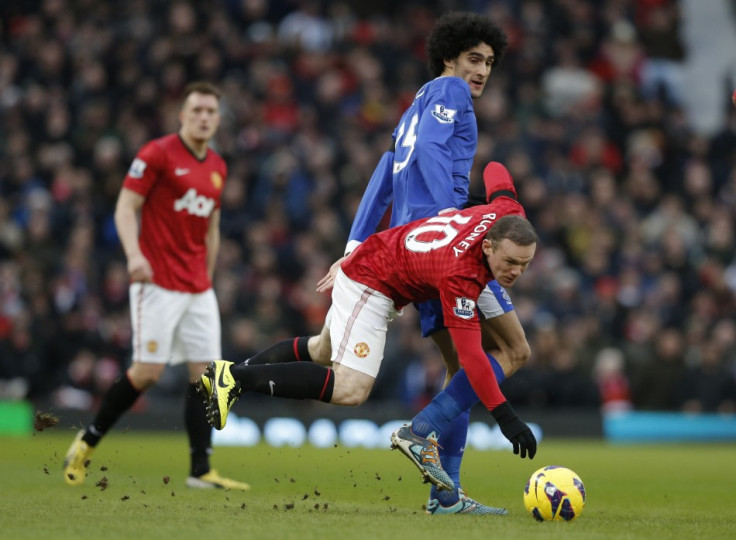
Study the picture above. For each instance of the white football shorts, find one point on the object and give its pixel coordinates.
(358, 321)
(171, 327)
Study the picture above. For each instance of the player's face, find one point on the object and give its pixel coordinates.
(508, 261)
(473, 66)
(200, 117)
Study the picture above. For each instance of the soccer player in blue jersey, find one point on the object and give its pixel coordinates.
(425, 173)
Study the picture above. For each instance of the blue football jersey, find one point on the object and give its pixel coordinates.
(429, 169)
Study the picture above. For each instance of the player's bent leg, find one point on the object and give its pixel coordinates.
(424, 452)
(124, 391)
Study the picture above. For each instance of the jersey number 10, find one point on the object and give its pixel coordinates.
(439, 224)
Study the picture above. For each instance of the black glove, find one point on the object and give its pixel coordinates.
(516, 431)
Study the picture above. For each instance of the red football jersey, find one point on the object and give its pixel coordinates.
(439, 257)
(181, 193)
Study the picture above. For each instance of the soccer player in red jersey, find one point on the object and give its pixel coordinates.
(173, 186)
(451, 257)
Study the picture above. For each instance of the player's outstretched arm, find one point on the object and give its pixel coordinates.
(375, 201)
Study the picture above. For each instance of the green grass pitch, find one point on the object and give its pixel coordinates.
(637, 492)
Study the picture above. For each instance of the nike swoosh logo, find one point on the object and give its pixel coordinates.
(181, 172)
(221, 381)
(419, 94)
(271, 385)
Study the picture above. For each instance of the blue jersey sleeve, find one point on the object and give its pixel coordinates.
(375, 200)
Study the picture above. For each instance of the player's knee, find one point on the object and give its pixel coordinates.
(350, 400)
(143, 382)
(349, 397)
(349, 393)
(142, 377)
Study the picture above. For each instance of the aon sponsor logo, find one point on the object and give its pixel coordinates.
(197, 205)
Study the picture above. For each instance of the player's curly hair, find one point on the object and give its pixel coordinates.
(459, 31)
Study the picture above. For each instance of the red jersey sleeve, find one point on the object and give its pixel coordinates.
(458, 296)
(145, 169)
(476, 365)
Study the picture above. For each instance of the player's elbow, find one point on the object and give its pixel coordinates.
(124, 218)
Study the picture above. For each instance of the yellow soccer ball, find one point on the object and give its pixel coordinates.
(554, 493)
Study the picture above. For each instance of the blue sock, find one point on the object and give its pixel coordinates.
(497, 369)
(452, 447)
(458, 396)
(436, 416)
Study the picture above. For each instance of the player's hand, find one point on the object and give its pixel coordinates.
(139, 268)
(516, 431)
(325, 284)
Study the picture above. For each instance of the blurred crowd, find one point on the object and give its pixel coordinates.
(630, 302)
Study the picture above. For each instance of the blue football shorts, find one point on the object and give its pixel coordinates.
(492, 302)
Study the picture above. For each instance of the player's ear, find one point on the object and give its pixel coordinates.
(487, 247)
(449, 65)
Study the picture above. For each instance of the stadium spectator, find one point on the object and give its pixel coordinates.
(658, 383)
(613, 384)
(708, 386)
